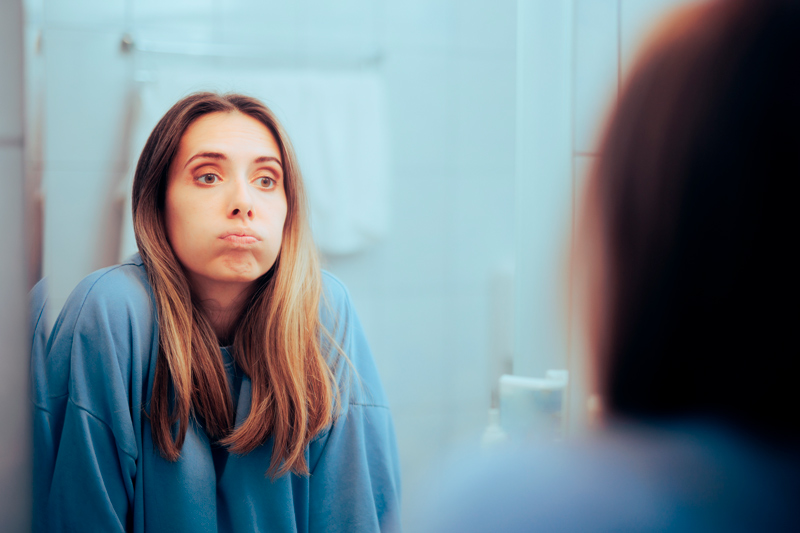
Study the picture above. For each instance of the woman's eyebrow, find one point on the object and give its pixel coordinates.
(223, 157)
(266, 159)
(208, 155)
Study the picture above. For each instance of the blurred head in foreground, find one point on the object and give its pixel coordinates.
(686, 255)
(690, 221)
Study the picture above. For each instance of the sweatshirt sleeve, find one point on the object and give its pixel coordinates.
(355, 470)
(355, 484)
(85, 449)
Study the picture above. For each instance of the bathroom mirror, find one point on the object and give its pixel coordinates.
(444, 144)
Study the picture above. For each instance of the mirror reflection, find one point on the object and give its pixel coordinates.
(442, 146)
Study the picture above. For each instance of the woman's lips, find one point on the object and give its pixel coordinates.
(240, 239)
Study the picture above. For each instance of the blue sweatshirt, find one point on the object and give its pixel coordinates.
(96, 467)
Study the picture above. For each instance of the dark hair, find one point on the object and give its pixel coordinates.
(696, 191)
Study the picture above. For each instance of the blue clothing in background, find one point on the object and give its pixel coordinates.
(95, 464)
(691, 477)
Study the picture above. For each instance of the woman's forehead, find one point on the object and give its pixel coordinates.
(229, 133)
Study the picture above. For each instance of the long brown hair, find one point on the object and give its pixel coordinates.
(277, 339)
(695, 195)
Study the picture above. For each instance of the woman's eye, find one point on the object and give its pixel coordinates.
(266, 182)
(208, 179)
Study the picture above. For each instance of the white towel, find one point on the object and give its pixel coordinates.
(337, 123)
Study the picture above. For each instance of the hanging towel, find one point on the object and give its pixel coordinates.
(337, 122)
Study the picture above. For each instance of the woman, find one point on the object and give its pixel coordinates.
(692, 278)
(218, 380)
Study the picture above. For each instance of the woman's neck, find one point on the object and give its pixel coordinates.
(222, 320)
(222, 303)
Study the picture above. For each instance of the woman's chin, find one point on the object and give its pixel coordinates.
(238, 271)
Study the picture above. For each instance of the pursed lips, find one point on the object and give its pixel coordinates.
(240, 236)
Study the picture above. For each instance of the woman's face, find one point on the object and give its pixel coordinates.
(225, 201)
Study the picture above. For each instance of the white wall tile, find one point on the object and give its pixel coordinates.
(596, 67)
(147, 12)
(482, 228)
(468, 351)
(467, 422)
(484, 28)
(273, 26)
(85, 14)
(87, 95)
(419, 25)
(485, 119)
(348, 28)
(364, 273)
(420, 100)
(422, 438)
(543, 192)
(178, 21)
(34, 11)
(77, 214)
(417, 243)
(413, 333)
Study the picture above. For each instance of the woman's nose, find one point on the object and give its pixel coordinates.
(241, 204)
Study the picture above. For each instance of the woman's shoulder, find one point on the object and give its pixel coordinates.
(103, 336)
(116, 287)
(111, 308)
(358, 376)
(113, 291)
(336, 309)
(334, 292)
